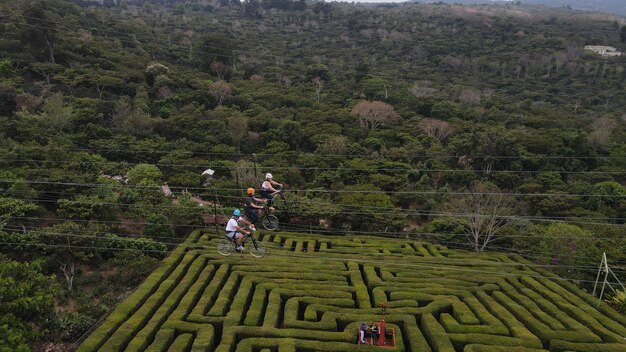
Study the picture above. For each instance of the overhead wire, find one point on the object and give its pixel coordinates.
(343, 213)
(294, 226)
(46, 230)
(372, 209)
(460, 261)
(435, 155)
(340, 168)
(451, 170)
(443, 267)
(458, 170)
(317, 190)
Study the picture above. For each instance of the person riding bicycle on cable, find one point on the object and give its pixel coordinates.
(234, 231)
(267, 189)
(251, 208)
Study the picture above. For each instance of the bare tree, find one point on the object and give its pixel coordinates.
(489, 93)
(244, 172)
(438, 129)
(219, 90)
(455, 63)
(69, 271)
(607, 95)
(319, 85)
(420, 53)
(423, 89)
(284, 80)
(488, 211)
(602, 128)
(470, 97)
(220, 69)
(187, 40)
(46, 69)
(372, 114)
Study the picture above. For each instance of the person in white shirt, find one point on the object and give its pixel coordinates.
(267, 189)
(234, 231)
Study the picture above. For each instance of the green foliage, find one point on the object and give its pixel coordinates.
(524, 107)
(11, 207)
(158, 226)
(368, 203)
(135, 266)
(26, 303)
(86, 208)
(144, 172)
(70, 325)
(568, 245)
(6, 69)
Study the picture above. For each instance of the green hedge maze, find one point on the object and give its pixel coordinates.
(311, 293)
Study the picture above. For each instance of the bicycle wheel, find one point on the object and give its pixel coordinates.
(270, 222)
(257, 249)
(225, 247)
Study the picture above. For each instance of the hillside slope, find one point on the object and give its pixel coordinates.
(432, 121)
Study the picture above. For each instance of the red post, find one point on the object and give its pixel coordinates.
(381, 332)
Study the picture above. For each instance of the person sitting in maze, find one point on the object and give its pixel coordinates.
(234, 231)
(251, 207)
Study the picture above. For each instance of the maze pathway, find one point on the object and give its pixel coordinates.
(311, 293)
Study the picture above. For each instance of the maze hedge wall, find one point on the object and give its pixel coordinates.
(312, 292)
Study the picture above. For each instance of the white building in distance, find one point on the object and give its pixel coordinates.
(604, 50)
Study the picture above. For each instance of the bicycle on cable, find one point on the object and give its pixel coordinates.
(238, 232)
(268, 219)
(270, 189)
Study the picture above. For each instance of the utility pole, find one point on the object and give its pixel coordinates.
(604, 269)
(255, 176)
(217, 231)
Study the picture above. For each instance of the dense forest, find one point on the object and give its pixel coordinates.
(610, 6)
(477, 127)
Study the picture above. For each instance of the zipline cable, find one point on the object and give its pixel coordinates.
(316, 190)
(341, 168)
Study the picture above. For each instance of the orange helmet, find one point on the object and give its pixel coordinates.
(250, 191)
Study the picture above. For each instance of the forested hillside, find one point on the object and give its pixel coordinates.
(439, 122)
(609, 6)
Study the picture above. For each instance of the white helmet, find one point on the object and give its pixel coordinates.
(268, 175)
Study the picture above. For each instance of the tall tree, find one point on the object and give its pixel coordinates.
(219, 90)
(214, 47)
(40, 32)
(437, 129)
(487, 212)
(318, 83)
(56, 115)
(238, 129)
(373, 114)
